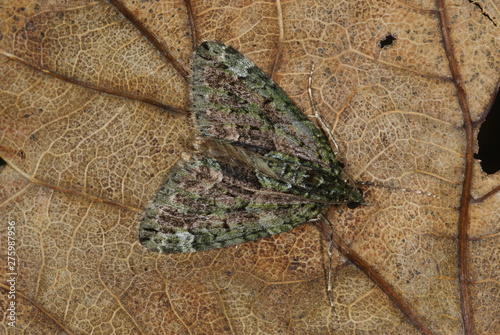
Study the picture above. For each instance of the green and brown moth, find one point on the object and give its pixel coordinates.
(260, 167)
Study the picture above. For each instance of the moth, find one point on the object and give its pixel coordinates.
(260, 167)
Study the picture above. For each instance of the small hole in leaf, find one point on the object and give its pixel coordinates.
(489, 140)
(387, 41)
(3, 165)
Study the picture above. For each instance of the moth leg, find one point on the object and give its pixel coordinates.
(329, 276)
(316, 115)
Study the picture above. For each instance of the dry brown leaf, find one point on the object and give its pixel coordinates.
(93, 102)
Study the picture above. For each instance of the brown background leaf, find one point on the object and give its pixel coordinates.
(93, 113)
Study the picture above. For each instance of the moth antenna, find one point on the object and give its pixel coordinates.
(369, 183)
(316, 113)
(325, 129)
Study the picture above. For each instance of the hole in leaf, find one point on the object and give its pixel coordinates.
(489, 140)
(3, 165)
(387, 41)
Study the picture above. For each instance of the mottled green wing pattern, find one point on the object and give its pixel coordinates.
(206, 204)
(262, 167)
(235, 101)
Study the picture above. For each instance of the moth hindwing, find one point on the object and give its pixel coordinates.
(264, 168)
